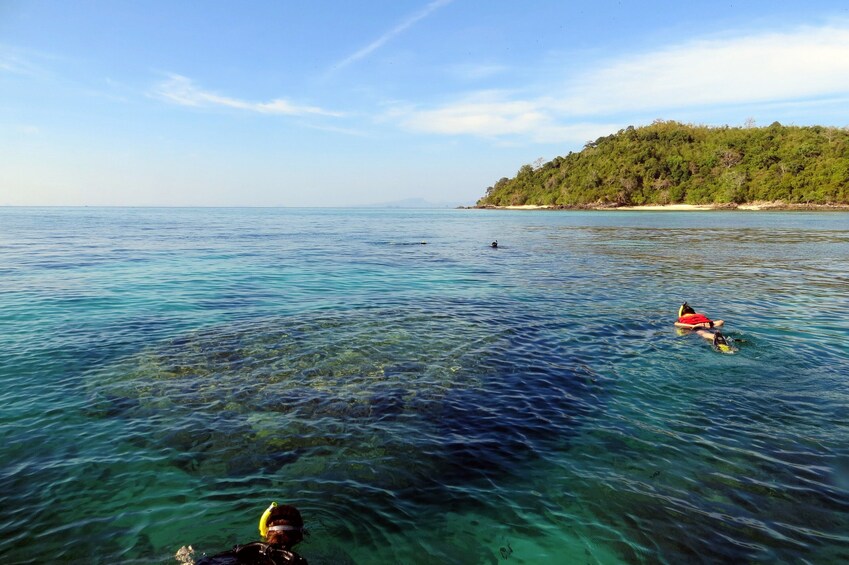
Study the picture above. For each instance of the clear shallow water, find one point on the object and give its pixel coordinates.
(167, 372)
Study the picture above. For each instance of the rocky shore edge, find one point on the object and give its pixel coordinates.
(749, 206)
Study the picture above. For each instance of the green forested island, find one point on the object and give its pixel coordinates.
(672, 163)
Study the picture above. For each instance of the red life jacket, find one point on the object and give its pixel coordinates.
(694, 319)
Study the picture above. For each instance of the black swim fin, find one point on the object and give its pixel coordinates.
(720, 343)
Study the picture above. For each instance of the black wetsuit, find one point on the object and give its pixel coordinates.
(256, 553)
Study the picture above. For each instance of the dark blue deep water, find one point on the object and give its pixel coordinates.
(166, 373)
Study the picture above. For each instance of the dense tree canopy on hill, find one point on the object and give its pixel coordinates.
(669, 163)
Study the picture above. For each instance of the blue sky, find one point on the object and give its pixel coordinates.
(262, 103)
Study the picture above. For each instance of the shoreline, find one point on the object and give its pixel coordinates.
(778, 206)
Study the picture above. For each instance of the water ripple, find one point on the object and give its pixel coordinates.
(447, 401)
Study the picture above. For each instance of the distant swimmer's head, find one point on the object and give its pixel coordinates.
(685, 309)
(721, 344)
(282, 525)
(494, 243)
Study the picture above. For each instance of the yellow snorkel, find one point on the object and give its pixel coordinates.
(263, 520)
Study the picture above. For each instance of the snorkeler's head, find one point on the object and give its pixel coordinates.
(685, 309)
(282, 525)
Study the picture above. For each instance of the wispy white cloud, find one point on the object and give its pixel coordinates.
(476, 72)
(180, 90)
(397, 30)
(492, 115)
(14, 62)
(800, 66)
(28, 129)
(803, 63)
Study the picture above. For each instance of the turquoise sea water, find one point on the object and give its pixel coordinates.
(168, 372)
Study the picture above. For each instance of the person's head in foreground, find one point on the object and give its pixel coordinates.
(282, 525)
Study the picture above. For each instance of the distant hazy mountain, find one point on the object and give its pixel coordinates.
(415, 203)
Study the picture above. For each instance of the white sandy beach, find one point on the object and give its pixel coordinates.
(752, 206)
(668, 207)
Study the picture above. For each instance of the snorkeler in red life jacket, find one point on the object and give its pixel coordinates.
(689, 319)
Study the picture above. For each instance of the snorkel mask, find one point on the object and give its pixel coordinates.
(282, 528)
